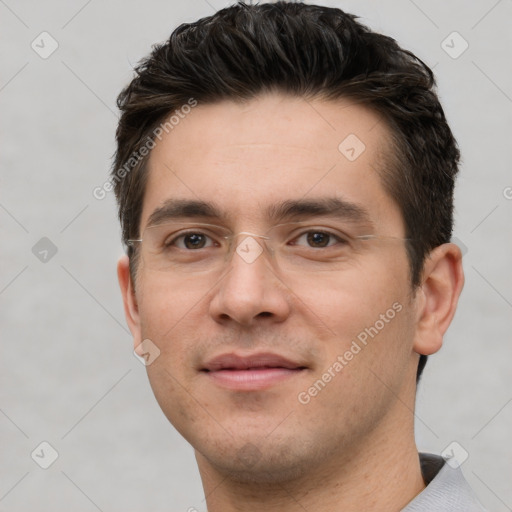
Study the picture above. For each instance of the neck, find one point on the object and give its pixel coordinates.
(381, 473)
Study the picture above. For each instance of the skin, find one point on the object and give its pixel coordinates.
(352, 446)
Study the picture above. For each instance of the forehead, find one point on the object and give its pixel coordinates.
(245, 157)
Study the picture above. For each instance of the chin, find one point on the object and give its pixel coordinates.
(251, 465)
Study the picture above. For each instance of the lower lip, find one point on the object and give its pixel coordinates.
(252, 379)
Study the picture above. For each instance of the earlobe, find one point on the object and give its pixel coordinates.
(131, 309)
(442, 282)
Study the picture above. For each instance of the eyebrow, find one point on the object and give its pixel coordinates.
(332, 207)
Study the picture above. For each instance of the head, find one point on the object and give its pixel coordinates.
(248, 109)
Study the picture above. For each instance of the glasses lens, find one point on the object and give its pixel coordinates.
(299, 246)
(184, 247)
(307, 247)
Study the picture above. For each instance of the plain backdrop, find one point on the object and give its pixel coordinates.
(68, 374)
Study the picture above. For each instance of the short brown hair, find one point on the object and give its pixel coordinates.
(307, 51)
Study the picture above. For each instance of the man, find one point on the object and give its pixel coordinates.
(285, 185)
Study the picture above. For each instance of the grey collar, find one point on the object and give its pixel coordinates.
(446, 491)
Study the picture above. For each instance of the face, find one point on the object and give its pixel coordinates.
(345, 332)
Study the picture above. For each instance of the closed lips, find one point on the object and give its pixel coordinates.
(256, 361)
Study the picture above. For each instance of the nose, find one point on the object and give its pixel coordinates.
(250, 290)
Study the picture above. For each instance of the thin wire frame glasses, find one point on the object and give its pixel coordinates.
(188, 247)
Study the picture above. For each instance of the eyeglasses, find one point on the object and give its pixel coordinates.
(303, 246)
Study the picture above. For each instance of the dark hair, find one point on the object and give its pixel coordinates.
(303, 50)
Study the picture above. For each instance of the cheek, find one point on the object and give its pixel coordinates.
(355, 297)
(370, 320)
(365, 364)
(174, 394)
(170, 317)
(166, 306)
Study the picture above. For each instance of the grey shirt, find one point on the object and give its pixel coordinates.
(446, 491)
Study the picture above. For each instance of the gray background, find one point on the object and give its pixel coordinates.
(68, 373)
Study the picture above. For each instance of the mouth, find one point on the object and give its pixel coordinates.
(253, 372)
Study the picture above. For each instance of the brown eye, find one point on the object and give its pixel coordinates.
(318, 239)
(189, 241)
(194, 241)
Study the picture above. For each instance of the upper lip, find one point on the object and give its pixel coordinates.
(234, 361)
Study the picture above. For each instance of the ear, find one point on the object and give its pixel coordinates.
(437, 297)
(131, 309)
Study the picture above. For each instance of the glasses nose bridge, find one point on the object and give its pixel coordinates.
(252, 247)
(249, 233)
